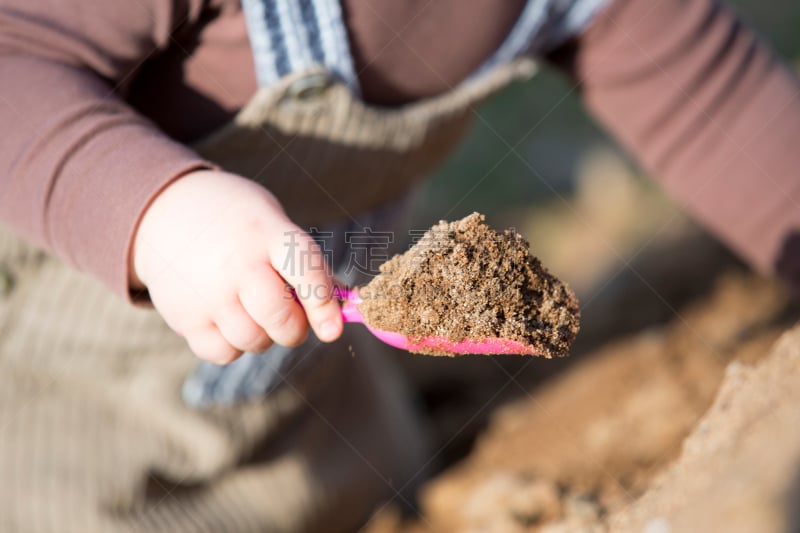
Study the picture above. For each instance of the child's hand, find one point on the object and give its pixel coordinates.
(214, 250)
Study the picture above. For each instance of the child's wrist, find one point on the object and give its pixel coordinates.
(137, 258)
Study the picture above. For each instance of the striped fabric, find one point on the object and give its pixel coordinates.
(293, 35)
(542, 26)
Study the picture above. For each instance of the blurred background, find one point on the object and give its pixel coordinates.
(562, 158)
(543, 118)
(666, 309)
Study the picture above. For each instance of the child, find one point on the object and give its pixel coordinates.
(169, 148)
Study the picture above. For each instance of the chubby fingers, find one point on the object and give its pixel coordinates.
(208, 343)
(299, 260)
(240, 330)
(264, 312)
(266, 298)
(272, 300)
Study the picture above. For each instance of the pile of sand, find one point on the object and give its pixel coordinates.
(463, 280)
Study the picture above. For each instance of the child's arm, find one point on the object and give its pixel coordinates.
(708, 110)
(78, 166)
(80, 170)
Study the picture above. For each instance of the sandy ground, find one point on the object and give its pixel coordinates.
(676, 412)
(604, 446)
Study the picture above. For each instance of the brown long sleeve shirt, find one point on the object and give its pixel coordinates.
(94, 99)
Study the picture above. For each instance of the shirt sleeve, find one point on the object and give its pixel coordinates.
(708, 110)
(77, 165)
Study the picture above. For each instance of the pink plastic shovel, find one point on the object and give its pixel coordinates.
(439, 345)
